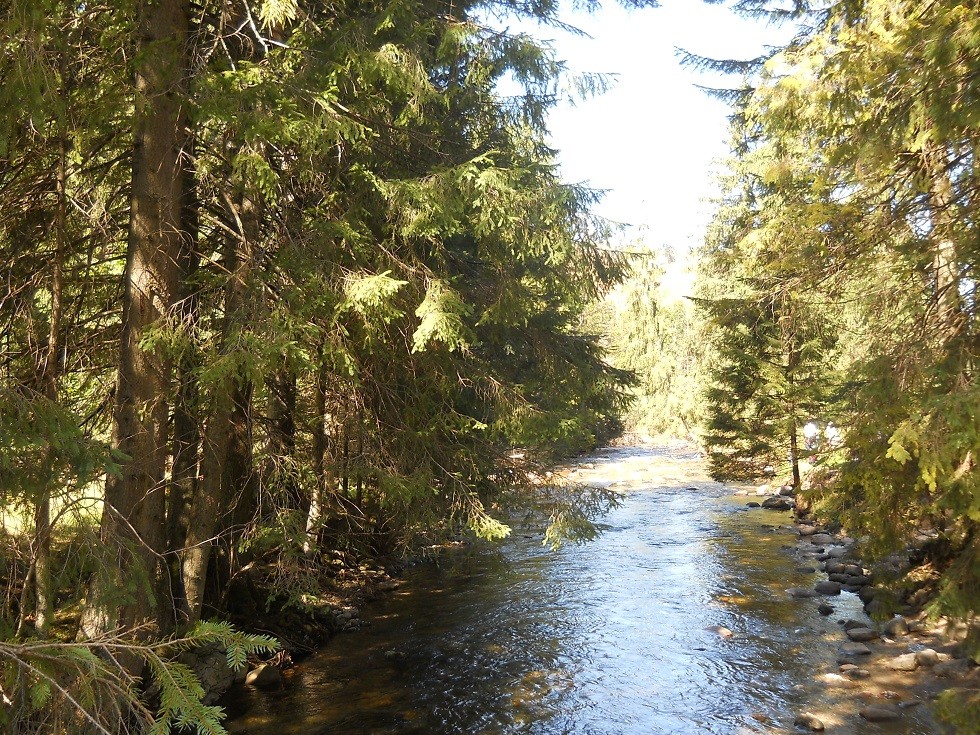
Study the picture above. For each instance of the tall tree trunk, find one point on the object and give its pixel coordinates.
(794, 452)
(228, 429)
(186, 414)
(133, 523)
(281, 468)
(945, 260)
(44, 594)
(323, 479)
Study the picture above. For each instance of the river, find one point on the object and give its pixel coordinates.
(610, 637)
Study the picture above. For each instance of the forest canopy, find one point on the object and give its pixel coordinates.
(840, 278)
(283, 280)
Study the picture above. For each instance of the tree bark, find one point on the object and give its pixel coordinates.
(43, 592)
(133, 590)
(324, 480)
(228, 434)
(945, 260)
(186, 414)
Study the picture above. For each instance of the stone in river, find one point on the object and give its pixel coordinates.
(852, 623)
(842, 578)
(836, 680)
(800, 592)
(753, 504)
(821, 539)
(835, 567)
(952, 669)
(855, 649)
(786, 490)
(858, 673)
(927, 657)
(824, 609)
(897, 626)
(881, 713)
(867, 594)
(264, 676)
(808, 530)
(721, 630)
(808, 721)
(837, 552)
(862, 634)
(827, 588)
(778, 503)
(905, 662)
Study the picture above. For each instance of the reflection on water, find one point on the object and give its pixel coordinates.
(605, 638)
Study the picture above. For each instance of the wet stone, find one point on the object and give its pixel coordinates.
(927, 657)
(827, 588)
(953, 669)
(897, 626)
(808, 721)
(801, 593)
(862, 634)
(264, 676)
(824, 609)
(821, 539)
(905, 662)
(778, 503)
(881, 713)
(855, 649)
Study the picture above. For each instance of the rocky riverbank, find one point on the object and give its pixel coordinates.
(890, 659)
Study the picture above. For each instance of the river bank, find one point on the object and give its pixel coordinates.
(678, 619)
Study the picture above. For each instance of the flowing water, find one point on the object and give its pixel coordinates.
(605, 638)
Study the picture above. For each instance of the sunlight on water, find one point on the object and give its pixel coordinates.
(621, 635)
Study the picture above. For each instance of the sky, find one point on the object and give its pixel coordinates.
(654, 141)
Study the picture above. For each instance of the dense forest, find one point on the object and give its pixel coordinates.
(840, 275)
(292, 285)
(285, 284)
(839, 280)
